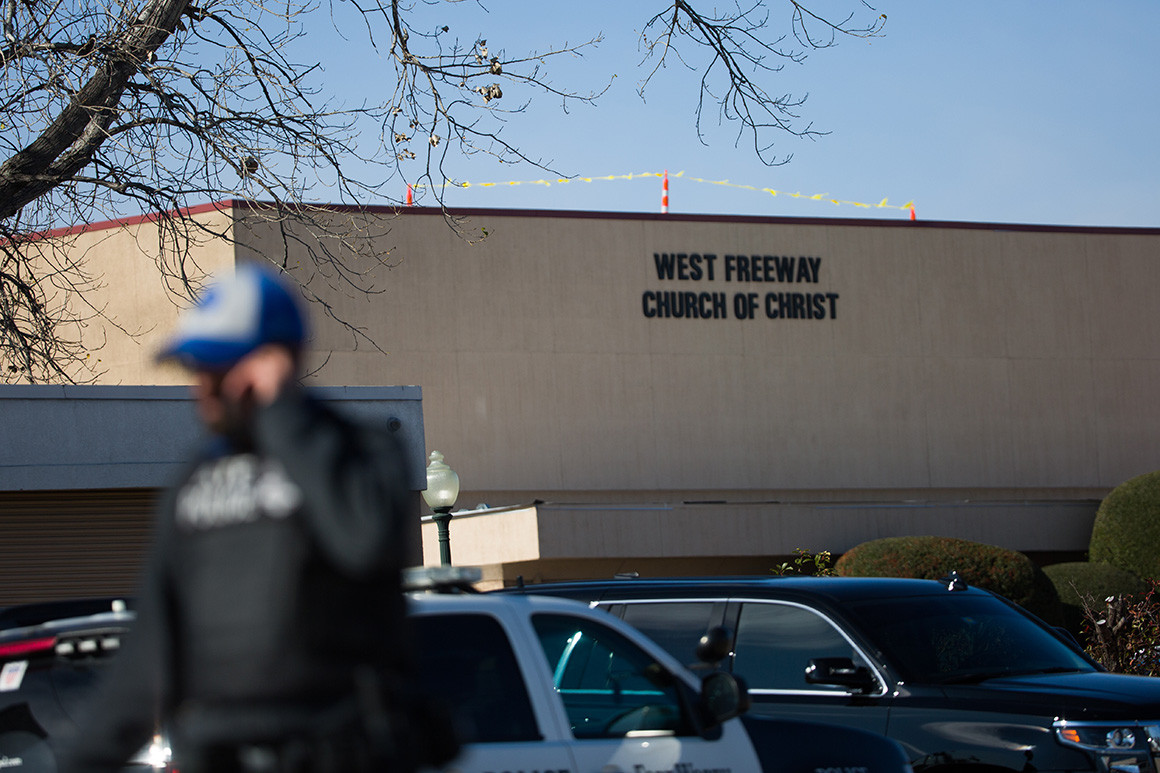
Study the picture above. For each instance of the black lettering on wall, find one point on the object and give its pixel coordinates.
(665, 264)
(748, 269)
(669, 304)
(785, 269)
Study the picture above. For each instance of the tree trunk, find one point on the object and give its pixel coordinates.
(67, 144)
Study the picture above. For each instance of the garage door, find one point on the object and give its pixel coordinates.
(69, 544)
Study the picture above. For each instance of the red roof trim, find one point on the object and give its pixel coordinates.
(778, 220)
(639, 216)
(104, 225)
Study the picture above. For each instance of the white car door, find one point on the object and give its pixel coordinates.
(627, 711)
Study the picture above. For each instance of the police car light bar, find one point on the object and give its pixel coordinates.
(437, 578)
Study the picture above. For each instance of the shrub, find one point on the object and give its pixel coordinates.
(1123, 632)
(1127, 527)
(1092, 581)
(820, 564)
(1006, 572)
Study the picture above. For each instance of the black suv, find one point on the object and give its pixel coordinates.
(50, 655)
(964, 679)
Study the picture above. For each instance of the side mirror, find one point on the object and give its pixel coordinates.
(714, 646)
(840, 672)
(723, 697)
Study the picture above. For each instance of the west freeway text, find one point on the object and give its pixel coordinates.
(782, 303)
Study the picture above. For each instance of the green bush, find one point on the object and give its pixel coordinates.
(1127, 527)
(1006, 572)
(1093, 581)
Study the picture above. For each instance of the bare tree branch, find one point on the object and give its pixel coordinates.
(111, 108)
(740, 55)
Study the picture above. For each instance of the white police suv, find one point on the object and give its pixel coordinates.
(548, 685)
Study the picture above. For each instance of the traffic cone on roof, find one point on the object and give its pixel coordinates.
(665, 194)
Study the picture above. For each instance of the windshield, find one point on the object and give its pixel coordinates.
(962, 639)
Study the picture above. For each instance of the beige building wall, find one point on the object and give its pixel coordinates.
(956, 371)
(131, 308)
(958, 358)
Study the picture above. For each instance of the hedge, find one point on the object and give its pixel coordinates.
(1006, 572)
(1126, 531)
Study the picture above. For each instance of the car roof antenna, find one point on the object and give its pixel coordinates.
(954, 582)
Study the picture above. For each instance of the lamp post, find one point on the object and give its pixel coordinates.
(442, 491)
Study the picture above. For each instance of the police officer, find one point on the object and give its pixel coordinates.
(269, 627)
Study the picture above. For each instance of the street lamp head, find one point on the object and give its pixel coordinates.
(442, 485)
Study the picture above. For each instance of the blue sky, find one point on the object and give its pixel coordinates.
(988, 111)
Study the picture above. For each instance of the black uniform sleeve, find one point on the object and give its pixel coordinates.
(134, 694)
(353, 480)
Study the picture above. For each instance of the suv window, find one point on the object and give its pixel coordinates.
(467, 660)
(675, 626)
(608, 685)
(945, 640)
(776, 641)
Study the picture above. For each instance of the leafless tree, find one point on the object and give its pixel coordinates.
(734, 52)
(114, 108)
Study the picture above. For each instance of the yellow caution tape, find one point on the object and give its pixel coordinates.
(884, 204)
